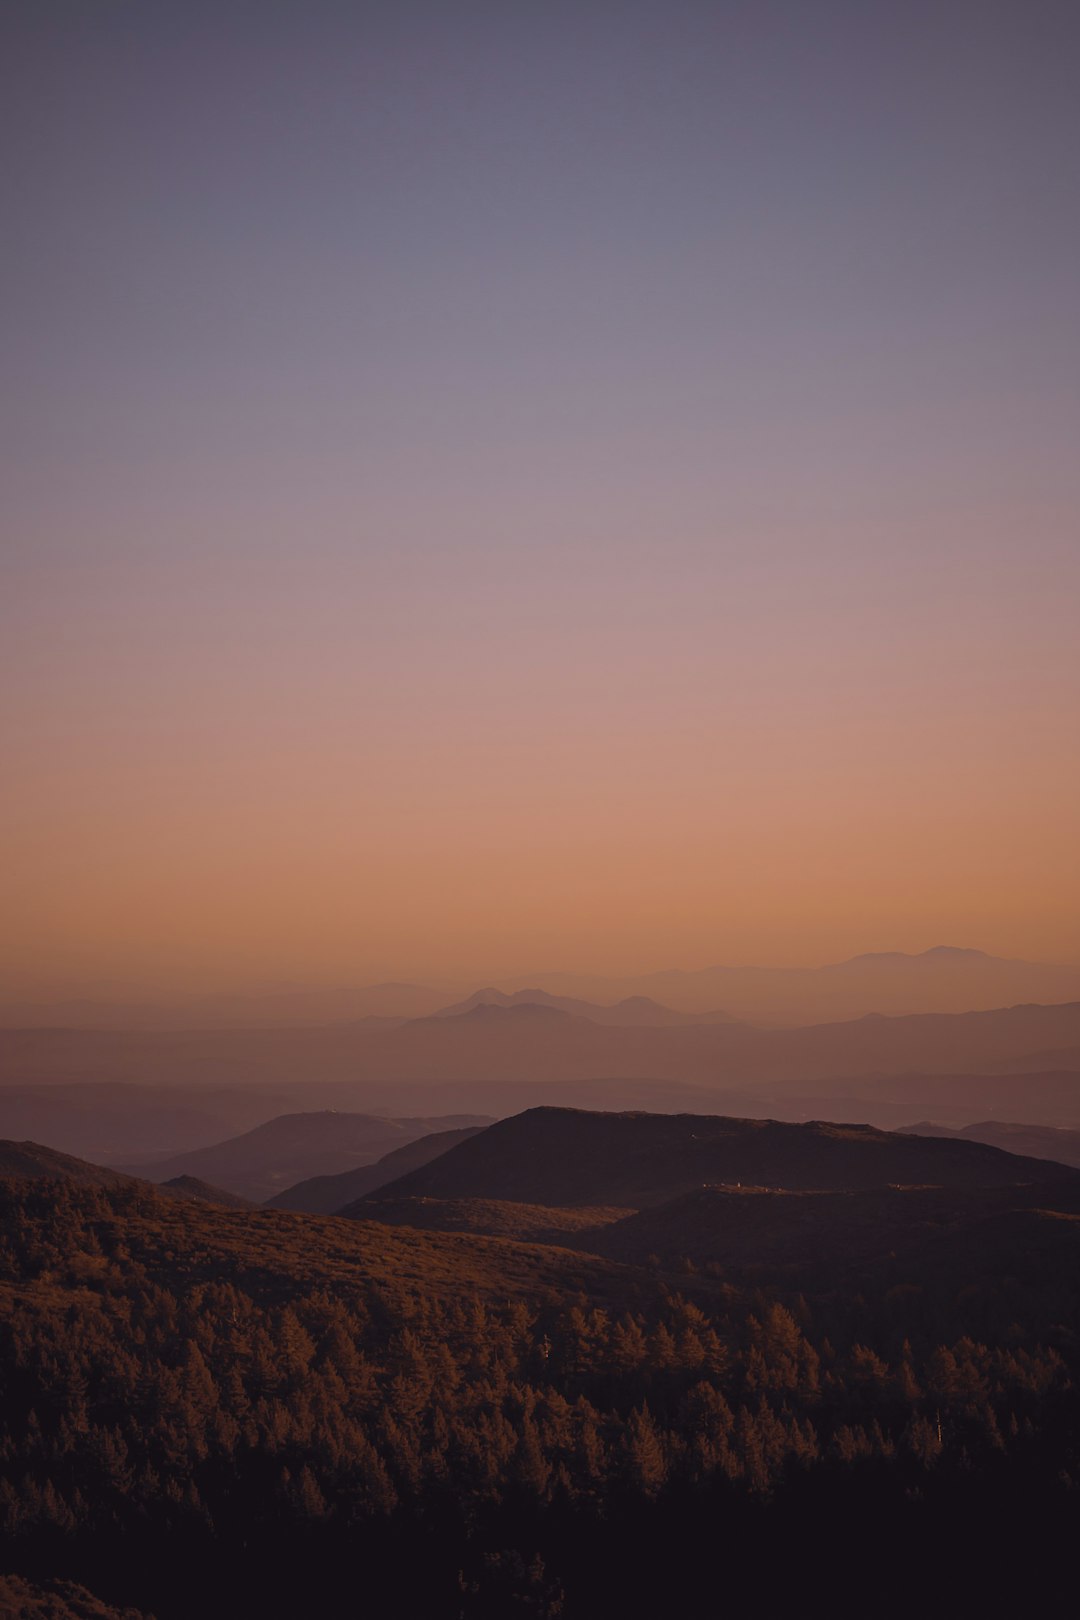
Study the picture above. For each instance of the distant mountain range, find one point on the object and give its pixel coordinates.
(943, 979)
(531, 1043)
(633, 1012)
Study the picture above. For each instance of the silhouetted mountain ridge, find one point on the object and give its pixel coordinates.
(573, 1157)
(1055, 1143)
(326, 1195)
(293, 1147)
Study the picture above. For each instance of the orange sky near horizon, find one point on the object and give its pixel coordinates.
(339, 778)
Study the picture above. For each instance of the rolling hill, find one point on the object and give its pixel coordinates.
(1034, 1141)
(30, 1161)
(570, 1157)
(294, 1147)
(325, 1195)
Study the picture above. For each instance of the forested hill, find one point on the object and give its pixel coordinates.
(31, 1161)
(568, 1156)
(218, 1412)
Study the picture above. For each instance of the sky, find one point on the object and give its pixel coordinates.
(507, 486)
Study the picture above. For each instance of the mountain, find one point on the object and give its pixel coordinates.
(565, 1156)
(294, 1147)
(943, 979)
(1035, 1141)
(528, 1042)
(326, 1195)
(633, 1012)
(30, 1161)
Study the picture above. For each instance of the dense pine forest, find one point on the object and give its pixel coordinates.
(226, 1412)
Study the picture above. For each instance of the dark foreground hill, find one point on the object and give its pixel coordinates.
(814, 1236)
(565, 1156)
(55, 1600)
(222, 1411)
(327, 1195)
(295, 1147)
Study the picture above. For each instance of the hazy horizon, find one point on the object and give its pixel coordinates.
(453, 978)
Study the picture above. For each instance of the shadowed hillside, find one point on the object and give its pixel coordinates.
(1035, 1141)
(816, 1235)
(569, 1157)
(30, 1161)
(491, 1217)
(295, 1147)
(216, 1411)
(326, 1195)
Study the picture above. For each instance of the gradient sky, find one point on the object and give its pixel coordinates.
(493, 486)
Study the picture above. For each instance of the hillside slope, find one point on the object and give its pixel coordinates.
(570, 1157)
(294, 1147)
(1034, 1141)
(32, 1161)
(327, 1195)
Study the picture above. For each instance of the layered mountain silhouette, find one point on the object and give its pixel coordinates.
(326, 1195)
(529, 1042)
(1035, 1141)
(943, 979)
(293, 1147)
(31, 1161)
(632, 1012)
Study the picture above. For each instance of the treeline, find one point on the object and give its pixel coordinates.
(168, 1438)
